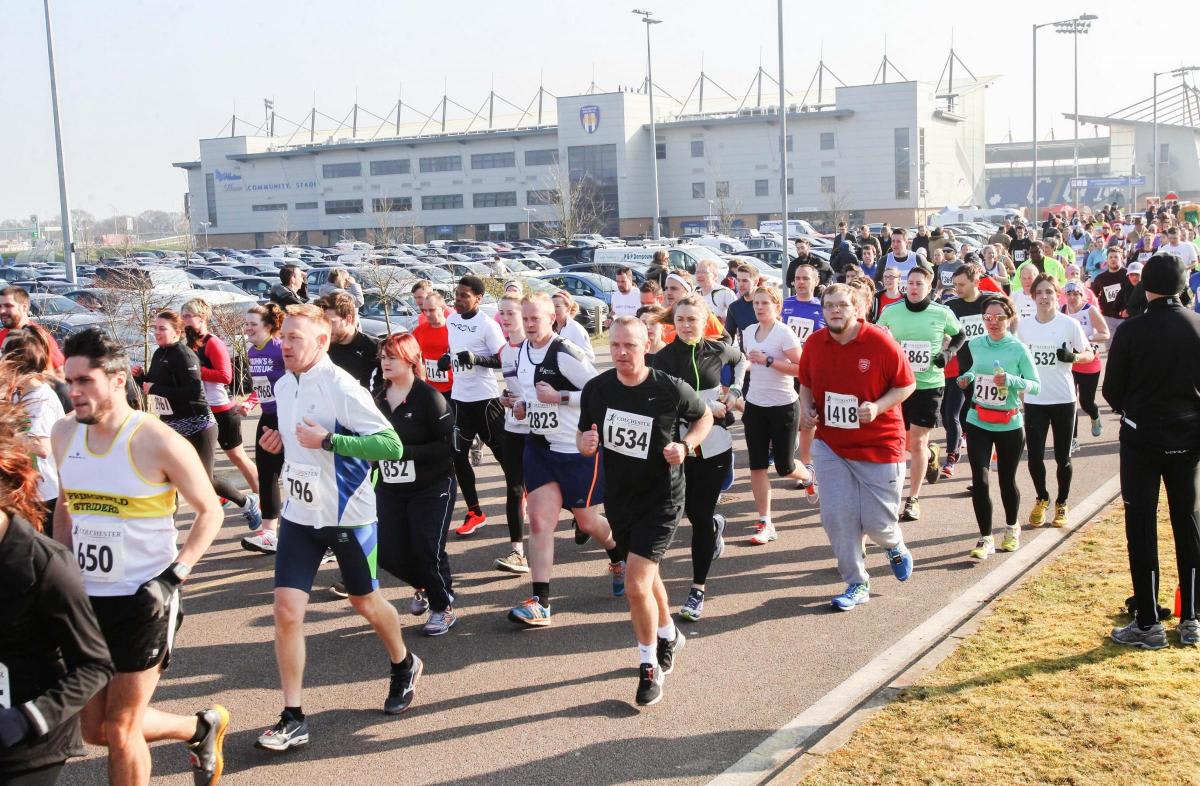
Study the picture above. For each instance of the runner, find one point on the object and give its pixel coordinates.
(1001, 368)
(699, 362)
(551, 372)
(565, 311)
(292, 288)
(1040, 262)
(14, 316)
(120, 471)
(1112, 287)
(329, 504)
(739, 316)
(889, 292)
(58, 660)
(350, 349)
(900, 257)
(852, 376)
(708, 284)
(512, 456)
(25, 372)
(1056, 342)
(929, 335)
(632, 412)
(176, 395)
(771, 410)
(1019, 248)
(803, 316)
(1022, 296)
(415, 497)
(474, 343)
(433, 337)
(216, 372)
(1086, 375)
(265, 355)
(651, 317)
(626, 299)
(679, 285)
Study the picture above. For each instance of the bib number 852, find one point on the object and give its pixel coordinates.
(300, 490)
(94, 557)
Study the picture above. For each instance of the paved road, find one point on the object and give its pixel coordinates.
(503, 705)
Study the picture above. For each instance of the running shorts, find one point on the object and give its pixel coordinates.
(923, 408)
(138, 638)
(580, 479)
(647, 533)
(229, 429)
(298, 555)
(772, 431)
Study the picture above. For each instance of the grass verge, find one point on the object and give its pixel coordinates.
(1039, 695)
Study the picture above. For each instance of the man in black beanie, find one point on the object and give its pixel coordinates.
(1153, 383)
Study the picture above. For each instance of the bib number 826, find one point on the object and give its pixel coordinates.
(94, 557)
(300, 490)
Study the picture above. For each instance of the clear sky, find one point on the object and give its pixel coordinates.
(141, 82)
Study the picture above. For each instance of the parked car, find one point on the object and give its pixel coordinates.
(55, 312)
(256, 286)
(608, 270)
(589, 307)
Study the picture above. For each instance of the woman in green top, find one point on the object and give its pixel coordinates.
(1001, 369)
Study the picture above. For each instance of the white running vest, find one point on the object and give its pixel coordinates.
(122, 526)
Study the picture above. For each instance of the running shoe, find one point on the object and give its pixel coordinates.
(286, 733)
(328, 557)
(1012, 539)
(932, 473)
(581, 537)
(948, 467)
(472, 522)
(719, 539)
(901, 561)
(811, 494)
(401, 688)
(252, 512)
(1152, 638)
(1074, 447)
(995, 462)
(693, 607)
(419, 603)
(1060, 515)
(515, 562)
(531, 613)
(911, 510)
(207, 756)
(1097, 427)
(440, 622)
(650, 685)
(617, 569)
(984, 548)
(669, 650)
(856, 594)
(1189, 633)
(1037, 516)
(265, 541)
(338, 590)
(476, 453)
(764, 533)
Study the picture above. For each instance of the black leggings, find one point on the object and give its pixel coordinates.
(1086, 384)
(412, 537)
(955, 406)
(270, 467)
(1008, 445)
(512, 461)
(1060, 419)
(205, 443)
(704, 478)
(483, 419)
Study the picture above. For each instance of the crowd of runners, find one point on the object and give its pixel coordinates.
(363, 449)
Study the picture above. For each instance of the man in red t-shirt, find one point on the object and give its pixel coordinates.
(433, 337)
(14, 315)
(853, 377)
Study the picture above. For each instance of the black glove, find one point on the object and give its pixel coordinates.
(159, 590)
(466, 359)
(939, 360)
(444, 362)
(1065, 355)
(14, 727)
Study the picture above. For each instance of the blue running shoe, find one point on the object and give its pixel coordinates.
(252, 513)
(617, 569)
(902, 562)
(531, 613)
(855, 595)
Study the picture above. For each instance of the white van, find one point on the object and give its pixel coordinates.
(795, 227)
(965, 215)
(722, 243)
(639, 255)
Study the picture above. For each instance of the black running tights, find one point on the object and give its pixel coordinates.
(704, 478)
(1058, 419)
(205, 443)
(1009, 445)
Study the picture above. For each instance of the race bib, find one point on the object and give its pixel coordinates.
(100, 550)
(160, 406)
(543, 418)
(1018, 256)
(841, 410)
(919, 354)
(988, 393)
(973, 326)
(1044, 355)
(461, 369)
(1144, 257)
(263, 389)
(801, 326)
(433, 375)
(947, 278)
(5, 689)
(397, 471)
(301, 482)
(627, 433)
(1111, 292)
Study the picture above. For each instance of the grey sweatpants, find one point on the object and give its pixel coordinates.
(857, 498)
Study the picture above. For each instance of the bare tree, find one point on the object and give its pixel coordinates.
(226, 322)
(726, 208)
(130, 302)
(574, 204)
(282, 237)
(837, 206)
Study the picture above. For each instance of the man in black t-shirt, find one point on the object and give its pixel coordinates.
(1019, 248)
(633, 412)
(1113, 289)
(349, 348)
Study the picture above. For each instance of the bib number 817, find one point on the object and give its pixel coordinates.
(92, 557)
(300, 490)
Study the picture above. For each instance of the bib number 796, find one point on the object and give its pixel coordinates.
(300, 490)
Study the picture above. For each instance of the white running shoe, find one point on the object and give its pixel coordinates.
(265, 541)
(764, 533)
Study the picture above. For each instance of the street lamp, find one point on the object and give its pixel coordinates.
(64, 207)
(1174, 72)
(648, 18)
(1075, 28)
(529, 211)
(783, 200)
(1085, 18)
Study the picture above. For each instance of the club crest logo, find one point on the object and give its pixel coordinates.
(589, 118)
(864, 365)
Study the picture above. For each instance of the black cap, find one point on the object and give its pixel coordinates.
(1164, 274)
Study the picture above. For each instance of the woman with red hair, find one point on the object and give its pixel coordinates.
(416, 495)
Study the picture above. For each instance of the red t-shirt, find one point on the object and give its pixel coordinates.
(434, 343)
(988, 284)
(56, 356)
(862, 370)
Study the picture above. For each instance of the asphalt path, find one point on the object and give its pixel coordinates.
(500, 704)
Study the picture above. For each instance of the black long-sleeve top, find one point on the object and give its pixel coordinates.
(174, 374)
(51, 644)
(425, 426)
(1153, 377)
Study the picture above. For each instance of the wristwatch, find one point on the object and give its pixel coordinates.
(735, 392)
(770, 360)
(176, 573)
(564, 398)
(327, 442)
(690, 451)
